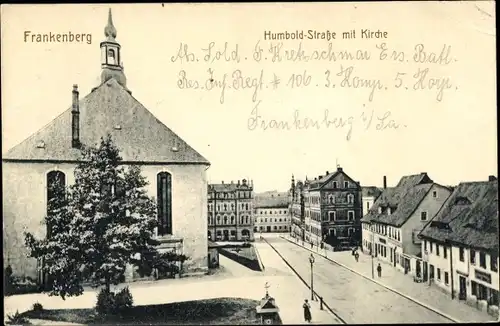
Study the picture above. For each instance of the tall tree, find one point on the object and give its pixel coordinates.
(98, 225)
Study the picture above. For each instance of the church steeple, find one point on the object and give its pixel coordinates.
(111, 64)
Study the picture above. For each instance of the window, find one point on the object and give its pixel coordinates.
(56, 183)
(434, 194)
(430, 245)
(446, 280)
(482, 260)
(350, 199)
(445, 252)
(350, 215)
(332, 216)
(331, 199)
(346, 184)
(472, 257)
(439, 274)
(164, 195)
(332, 232)
(493, 263)
(350, 231)
(335, 185)
(425, 245)
(461, 254)
(437, 249)
(423, 216)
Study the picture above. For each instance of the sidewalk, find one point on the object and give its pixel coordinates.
(396, 281)
(288, 291)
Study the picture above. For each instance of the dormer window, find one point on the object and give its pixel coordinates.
(346, 184)
(462, 201)
(335, 186)
(380, 210)
(41, 144)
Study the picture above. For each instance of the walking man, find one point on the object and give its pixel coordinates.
(307, 311)
(379, 270)
(356, 256)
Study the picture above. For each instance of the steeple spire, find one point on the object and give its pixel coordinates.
(111, 63)
(110, 30)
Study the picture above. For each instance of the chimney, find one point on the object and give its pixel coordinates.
(327, 173)
(222, 181)
(339, 169)
(492, 178)
(75, 119)
(385, 182)
(238, 182)
(232, 181)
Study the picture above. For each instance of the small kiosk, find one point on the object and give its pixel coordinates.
(268, 310)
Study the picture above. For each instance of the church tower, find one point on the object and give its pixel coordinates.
(111, 64)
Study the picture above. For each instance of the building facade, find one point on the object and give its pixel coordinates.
(175, 171)
(331, 206)
(296, 209)
(272, 213)
(398, 216)
(230, 211)
(369, 196)
(460, 245)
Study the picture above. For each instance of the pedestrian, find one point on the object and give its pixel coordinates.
(356, 256)
(379, 270)
(307, 311)
(311, 244)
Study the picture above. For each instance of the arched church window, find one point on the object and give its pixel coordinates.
(56, 192)
(164, 195)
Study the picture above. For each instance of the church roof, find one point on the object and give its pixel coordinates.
(109, 108)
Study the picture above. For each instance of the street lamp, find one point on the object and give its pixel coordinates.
(311, 260)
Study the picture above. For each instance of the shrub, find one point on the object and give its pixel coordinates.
(109, 303)
(17, 319)
(105, 300)
(37, 306)
(7, 279)
(123, 300)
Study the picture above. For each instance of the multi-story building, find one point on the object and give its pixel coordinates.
(296, 209)
(369, 196)
(331, 208)
(230, 211)
(398, 215)
(271, 213)
(460, 245)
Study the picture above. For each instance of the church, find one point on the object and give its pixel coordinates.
(175, 171)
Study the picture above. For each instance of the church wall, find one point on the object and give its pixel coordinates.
(24, 208)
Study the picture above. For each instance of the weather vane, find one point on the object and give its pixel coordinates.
(267, 286)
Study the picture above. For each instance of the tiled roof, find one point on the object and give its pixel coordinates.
(370, 191)
(109, 108)
(402, 199)
(468, 217)
(271, 202)
(228, 187)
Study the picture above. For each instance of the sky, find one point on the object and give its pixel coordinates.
(451, 136)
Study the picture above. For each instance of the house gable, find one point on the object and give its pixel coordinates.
(109, 108)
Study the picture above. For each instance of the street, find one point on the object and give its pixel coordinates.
(354, 298)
